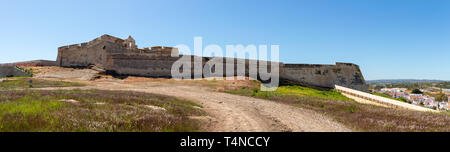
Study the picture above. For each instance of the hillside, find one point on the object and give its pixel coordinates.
(403, 81)
(408, 83)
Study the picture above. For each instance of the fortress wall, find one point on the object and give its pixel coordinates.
(72, 56)
(161, 66)
(140, 65)
(84, 54)
(11, 71)
(326, 76)
(97, 53)
(248, 63)
(158, 63)
(113, 54)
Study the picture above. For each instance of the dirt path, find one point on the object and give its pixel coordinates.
(239, 113)
(233, 113)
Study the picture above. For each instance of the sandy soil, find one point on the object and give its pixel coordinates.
(226, 112)
(64, 73)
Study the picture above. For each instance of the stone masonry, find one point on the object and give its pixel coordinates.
(125, 58)
(10, 70)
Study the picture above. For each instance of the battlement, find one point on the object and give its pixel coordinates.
(319, 65)
(70, 46)
(123, 45)
(346, 64)
(307, 65)
(78, 46)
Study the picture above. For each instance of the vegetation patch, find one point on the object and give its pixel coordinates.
(94, 111)
(360, 117)
(23, 83)
(292, 91)
(26, 70)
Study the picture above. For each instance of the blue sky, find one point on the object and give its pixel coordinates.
(389, 39)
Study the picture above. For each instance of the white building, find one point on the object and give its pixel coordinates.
(443, 105)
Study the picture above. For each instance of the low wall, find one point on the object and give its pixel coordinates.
(357, 95)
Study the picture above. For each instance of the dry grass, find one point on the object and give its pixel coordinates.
(214, 84)
(358, 116)
(94, 110)
(23, 83)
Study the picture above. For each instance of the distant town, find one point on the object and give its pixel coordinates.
(422, 97)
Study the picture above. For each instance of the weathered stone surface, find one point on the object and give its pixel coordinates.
(125, 58)
(10, 70)
(343, 74)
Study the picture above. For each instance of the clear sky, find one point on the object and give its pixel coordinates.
(389, 39)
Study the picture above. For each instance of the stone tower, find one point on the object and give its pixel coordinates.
(130, 43)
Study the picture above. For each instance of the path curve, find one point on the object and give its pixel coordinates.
(234, 113)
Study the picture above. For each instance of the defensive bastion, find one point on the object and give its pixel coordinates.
(125, 58)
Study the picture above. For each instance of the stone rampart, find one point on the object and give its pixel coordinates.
(326, 76)
(123, 57)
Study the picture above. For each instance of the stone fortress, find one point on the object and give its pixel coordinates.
(123, 57)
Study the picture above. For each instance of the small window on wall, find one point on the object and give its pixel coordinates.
(104, 47)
